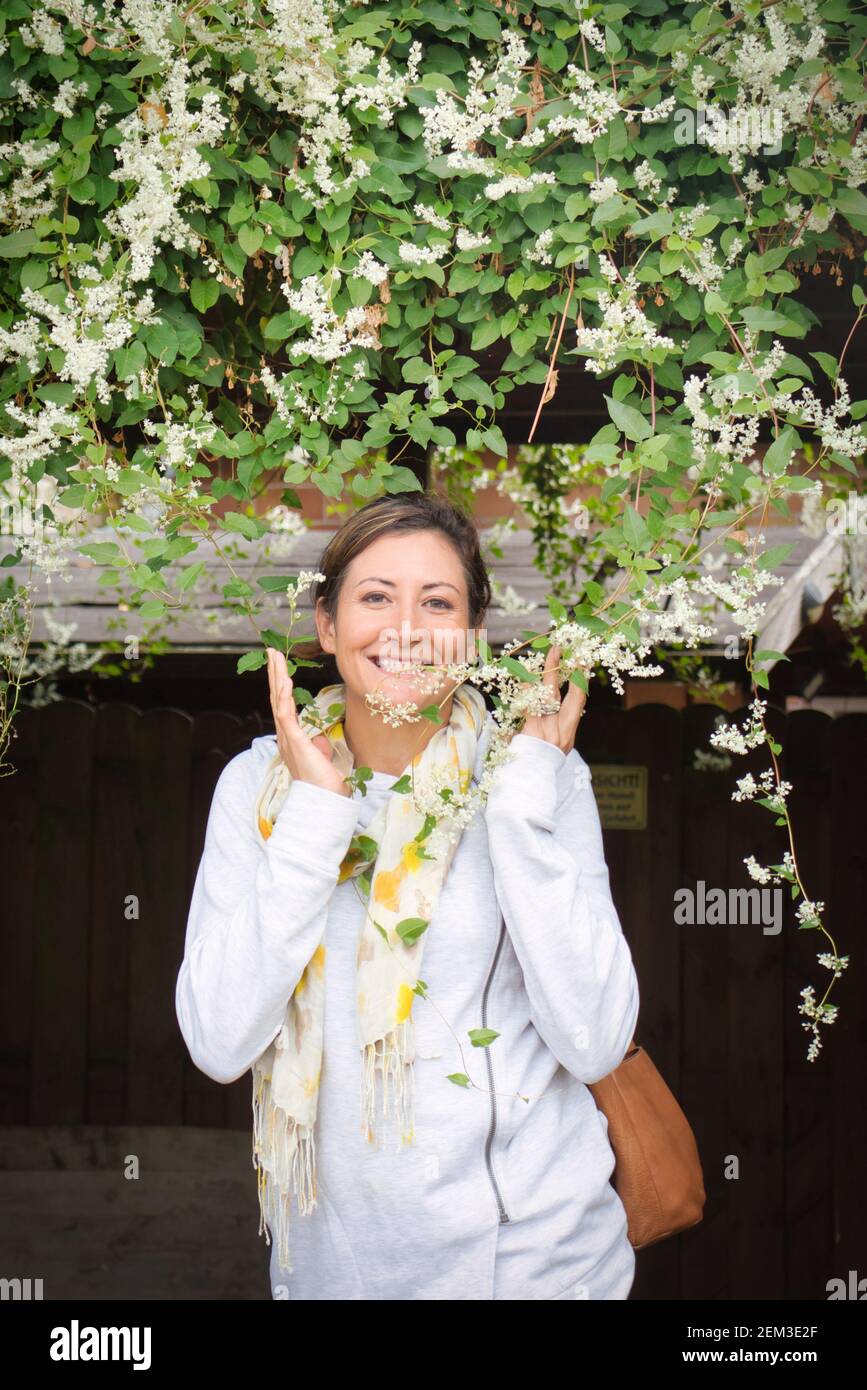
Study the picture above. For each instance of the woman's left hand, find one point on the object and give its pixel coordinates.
(558, 728)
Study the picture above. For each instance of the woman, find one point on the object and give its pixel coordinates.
(427, 1121)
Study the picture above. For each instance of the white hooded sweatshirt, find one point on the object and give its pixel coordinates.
(505, 1192)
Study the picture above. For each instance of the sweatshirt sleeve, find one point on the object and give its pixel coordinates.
(552, 884)
(257, 914)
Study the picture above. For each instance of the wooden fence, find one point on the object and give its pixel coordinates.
(108, 807)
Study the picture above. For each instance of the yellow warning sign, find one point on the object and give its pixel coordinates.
(621, 795)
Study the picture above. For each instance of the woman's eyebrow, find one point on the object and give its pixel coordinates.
(437, 583)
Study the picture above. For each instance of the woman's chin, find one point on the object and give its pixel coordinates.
(400, 690)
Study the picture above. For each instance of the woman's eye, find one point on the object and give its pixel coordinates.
(444, 601)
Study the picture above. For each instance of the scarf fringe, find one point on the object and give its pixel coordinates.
(388, 1056)
(285, 1159)
(284, 1152)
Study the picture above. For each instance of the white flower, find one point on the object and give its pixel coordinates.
(330, 336)
(593, 34)
(809, 913)
(539, 250)
(624, 324)
(428, 214)
(516, 183)
(831, 962)
(369, 268)
(466, 240)
(736, 740)
(756, 871)
(703, 761)
(421, 255)
(602, 189)
(747, 788)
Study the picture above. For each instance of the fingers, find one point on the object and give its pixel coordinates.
(573, 707)
(280, 685)
(551, 675)
(552, 661)
(575, 700)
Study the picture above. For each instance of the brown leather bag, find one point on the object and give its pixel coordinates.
(658, 1175)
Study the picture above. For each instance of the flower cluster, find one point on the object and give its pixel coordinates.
(625, 327)
(750, 735)
(330, 336)
(774, 791)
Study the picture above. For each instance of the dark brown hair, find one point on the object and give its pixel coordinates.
(405, 512)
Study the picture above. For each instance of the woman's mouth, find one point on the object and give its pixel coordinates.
(393, 667)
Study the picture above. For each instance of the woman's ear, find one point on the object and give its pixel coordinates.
(324, 627)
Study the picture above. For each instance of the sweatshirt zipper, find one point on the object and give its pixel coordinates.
(504, 1215)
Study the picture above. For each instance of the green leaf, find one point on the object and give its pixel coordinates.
(274, 583)
(104, 552)
(778, 455)
(770, 656)
(204, 294)
(628, 420)
(515, 669)
(830, 366)
(245, 525)
(459, 1078)
(416, 370)
(803, 180)
(482, 1037)
(21, 244)
(410, 929)
(851, 202)
(190, 575)
(73, 496)
(556, 609)
(251, 661)
(250, 238)
(152, 608)
(496, 441)
(767, 320)
(635, 528)
(486, 331)
(774, 556)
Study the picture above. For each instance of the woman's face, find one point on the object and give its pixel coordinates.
(404, 597)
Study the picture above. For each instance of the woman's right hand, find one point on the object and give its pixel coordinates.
(308, 759)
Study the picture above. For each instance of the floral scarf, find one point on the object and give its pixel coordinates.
(402, 882)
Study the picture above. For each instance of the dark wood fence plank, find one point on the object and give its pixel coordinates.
(19, 816)
(117, 904)
(704, 1031)
(239, 1094)
(755, 1096)
(156, 1062)
(809, 1130)
(644, 866)
(61, 917)
(215, 741)
(845, 1041)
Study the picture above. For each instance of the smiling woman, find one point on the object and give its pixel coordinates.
(330, 870)
(378, 610)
